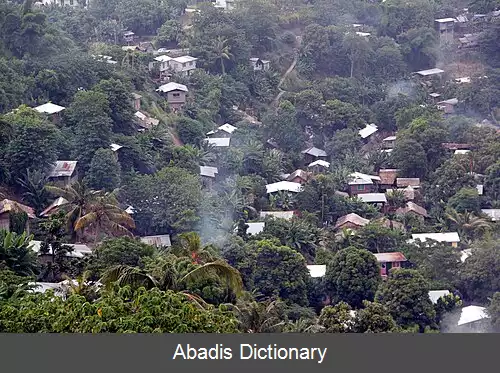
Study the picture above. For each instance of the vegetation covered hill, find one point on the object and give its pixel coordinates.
(338, 154)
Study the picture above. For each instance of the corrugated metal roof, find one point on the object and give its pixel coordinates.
(494, 214)
(471, 314)
(429, 72)
(171, 86)
(440, 237)
(79, 250)
(208, 171)
(317, 270)
(285, 186)
(434, 295)
(390, 257)
(63, 169)
(54, 205)
(369, 130)
(49, 108)
(218, 141)
(372, 197)
(287, 215)
(319, 162)
(184, 59)
(158, 240)
(388, 176)
(8, 205)
(115, 147)
(255, 228)
(315, 152)
(351, 218)
(407, 181)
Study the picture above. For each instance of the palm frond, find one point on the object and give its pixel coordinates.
(221, 269)
(86, 221)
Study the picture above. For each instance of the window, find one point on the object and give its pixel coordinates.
(176, 94)
(396, 265)
(361, 187)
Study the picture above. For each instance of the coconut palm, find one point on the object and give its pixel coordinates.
(273, 165)
(103, 214)
(467, 224)
(78, 197)
(222, 52)
(191, 246)
(260, 317)
(33, 184)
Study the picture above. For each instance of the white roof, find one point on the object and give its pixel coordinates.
(220, 142)
(472, 313)
(169, 87)
(372, 197)
(359, 178)
(315, 152)
(184, 59)
(429, 72)
(362, 33)
(464, 254)
(57, 203)
(163, 58)
(360, 181)
(319, 162)
(42, 287)
(63, 169)
(284, 185)
(287, 215)
(436, 294)
(462, 151)
(255, 228)
(440, 237)
(49, 108)
(159, 240)
(130, 210)
(227, 128)
(369, 130)
(208, 171)
(389, 138)
(387, 150)
(494, 214)
(79, 250)
(445, 20)
(316, 270)
(115, 147)
(480, 189)
(451, 101)
(140, 115)
(465, 79)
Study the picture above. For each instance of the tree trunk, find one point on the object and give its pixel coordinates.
(222, 66)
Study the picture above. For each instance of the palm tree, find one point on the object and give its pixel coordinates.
(33, 184)
(396, 199)
(468, 224)
(190, 246)
(273, 165)
(103, 214)
(16, 253)
(259, 317)
(78, 197)
(222, 52)
(173, 279)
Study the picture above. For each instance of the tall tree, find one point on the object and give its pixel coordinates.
(104, 171)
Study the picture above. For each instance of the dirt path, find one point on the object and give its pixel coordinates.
(175, 137)
(288, 71)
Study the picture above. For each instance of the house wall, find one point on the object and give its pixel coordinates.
(361, 188)
(4, 222)
(137, 104)
(298, 179)
(447, 108)
(183, 67)
(348, 225)
(176, 99)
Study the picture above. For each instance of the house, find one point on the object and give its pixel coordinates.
(316, 270)
(445, 27)
(158, 240)
(53, 111)
(130, 210)
(494, 214)
(129, 36)
(389, 142)
(64, 173)
(130, 48)
(54, 207)
(464, 254)
(429, 73)
(208, 175)
(376, 198)
(299, 176)
(42, 287)
(136, 101)
(7, 207)
(287, 215)
(434, 96)
(58, 2)
(456, 146)
(79, 251)
(389, 261)
(255, 228)
(183, 65)
(469, 40)
(224, 4)
(163, 63)
(103, 58)
(465, 79)
(362, 183)
(219, 142)
(369, 130)
(146, 47)
(448, 106)
(144, 121)
(226, 130)
(175, 93)
(391, 224)
(412, 208)
(319, 166)
(461, 151)
(260, 65)
(473, 319)
(448, 237)
(434, 295)
(351, 221)
(363, 34)
(115, 147)
(403, 182)
(283, 186)
(312, 154)
(387, 177)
